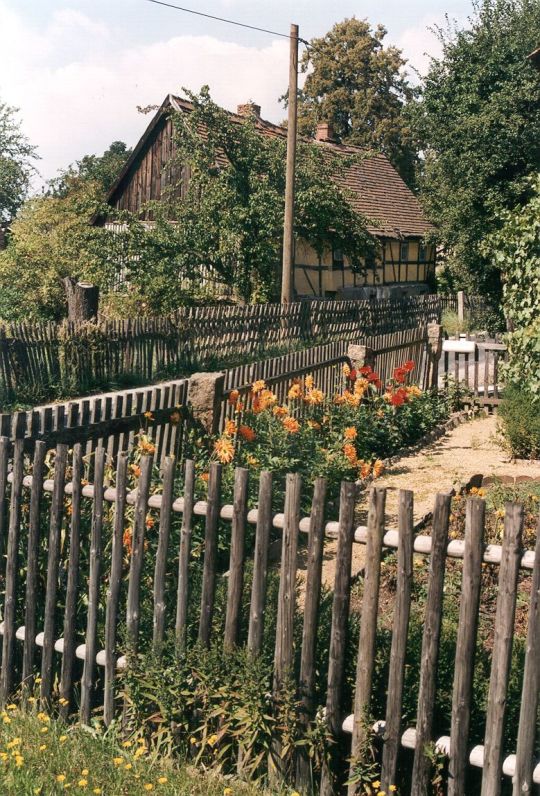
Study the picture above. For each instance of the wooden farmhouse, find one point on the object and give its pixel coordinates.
(407, 259)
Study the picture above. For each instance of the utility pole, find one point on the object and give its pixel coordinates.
(287, 274)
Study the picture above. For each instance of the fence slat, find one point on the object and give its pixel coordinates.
(56, 518)
(430, 645)
(183, 558)
(466, 645)
(10, 600)
(311, 616)
(396, 673)
(531, 686)
(165, 517)
(368, 624)
(502, 650)
(137, 554)
(210, 554)
(284, 649)
(260, 563)
(88, 677)
(68, 656)
(236, 566)
(31, 597)
(338, 631)
(114, 587)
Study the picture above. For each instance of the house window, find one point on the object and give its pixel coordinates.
(370, 261)
(404, 252)
(337, 260)
(422, 252)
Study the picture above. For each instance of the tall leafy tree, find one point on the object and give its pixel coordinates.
(101, 169)
(358, 84)
(17, 157)
(479, 126)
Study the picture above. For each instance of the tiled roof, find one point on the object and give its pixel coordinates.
(371, 183)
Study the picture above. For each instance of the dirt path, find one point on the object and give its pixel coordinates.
(466, 450)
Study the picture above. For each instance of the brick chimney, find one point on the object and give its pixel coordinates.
(325, 132)
(249, 109)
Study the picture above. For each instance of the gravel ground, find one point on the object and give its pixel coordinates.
(466, 450)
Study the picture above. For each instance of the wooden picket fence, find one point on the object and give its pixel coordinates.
(64, 600)
(325, 363)
(476, 372)
(46, 359)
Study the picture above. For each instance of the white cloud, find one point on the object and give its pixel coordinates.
(78, 89)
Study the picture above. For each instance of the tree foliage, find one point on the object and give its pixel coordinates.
(16, 163)
(101, 169)
(358, 84)
(515, 251)
(479, 126)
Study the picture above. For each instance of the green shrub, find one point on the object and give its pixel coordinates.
(521, 423)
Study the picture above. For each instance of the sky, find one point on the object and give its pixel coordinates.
(77, 70)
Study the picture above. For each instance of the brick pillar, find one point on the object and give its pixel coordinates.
(361, 355)
(434, 350)
(205, 394)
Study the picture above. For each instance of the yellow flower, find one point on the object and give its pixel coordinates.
(192, 740)
(314, 397)
(63, 701)
(38, 789)
(292, 425)
(295, 392)
(82, 783)
(224, 449)
(6, 720)
(392, 789)
(140, 751)
(43, 717)
(162, 780)
(84, 772)
(149, 786)
(227, 791)
(11, 707)
(378, 468)
(14, 742)
(60, 777)
(230, 428)
(63, 738)
(42, 747)
(96, 790)
(234, 395)
(308, 381)
(376, 784)
(44, 729)
(19, 760)
(128, 766)
(350, 432)
(258, 386)
(212, 740)
(37, 681)
(31, 700)
(118, 761)
(127, 744)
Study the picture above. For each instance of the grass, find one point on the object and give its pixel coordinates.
(40, 755)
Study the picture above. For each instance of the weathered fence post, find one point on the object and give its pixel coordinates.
(502, 649)
(430, 645)
(205, 394)
(434, 351)
(466, 645)
(461, 306)
(338, 631)
(531, 686)
(398, 651)
(368, 626)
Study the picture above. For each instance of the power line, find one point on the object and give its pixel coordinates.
(222, 19)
